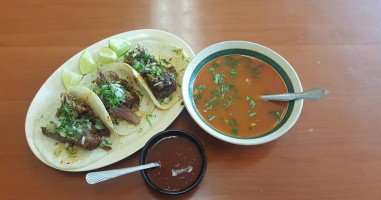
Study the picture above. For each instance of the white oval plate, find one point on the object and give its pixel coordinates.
(130, 143)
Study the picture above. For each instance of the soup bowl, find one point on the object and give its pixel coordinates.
(250, 50)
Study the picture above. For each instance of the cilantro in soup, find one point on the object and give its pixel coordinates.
(227, 94)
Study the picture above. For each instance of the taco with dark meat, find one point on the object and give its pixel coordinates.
(159, 67)
(124, 98)
(79, 133)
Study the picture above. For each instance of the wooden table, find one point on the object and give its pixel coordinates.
(332, 152)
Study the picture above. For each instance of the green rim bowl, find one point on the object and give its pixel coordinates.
(277, 62)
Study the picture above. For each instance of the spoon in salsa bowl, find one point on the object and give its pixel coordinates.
(312, 94)
(97, 177)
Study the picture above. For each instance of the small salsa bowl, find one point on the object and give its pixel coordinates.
(182, 160)
(256, 51)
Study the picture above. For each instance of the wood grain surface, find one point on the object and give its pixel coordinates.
(332, 152)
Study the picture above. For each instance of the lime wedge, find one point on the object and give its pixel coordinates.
(119, 45)
(70, 78)
(87, 63)
(107, 56)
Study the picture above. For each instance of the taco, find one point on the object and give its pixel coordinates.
(159, 67)
(79, 132)
(127, 102)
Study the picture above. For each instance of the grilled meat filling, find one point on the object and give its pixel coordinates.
(126, 114)
(119, 96)
(160, 79)
(91, 141)
(77, 125)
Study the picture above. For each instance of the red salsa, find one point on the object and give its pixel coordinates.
(180, 163)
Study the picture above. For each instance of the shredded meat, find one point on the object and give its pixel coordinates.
(126, 109)
(164, 88)
(162, 85)
(108, 76)
(125, 114)
(92, 137)
(131, 100)
(91, 141)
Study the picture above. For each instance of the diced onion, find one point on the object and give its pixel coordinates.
(83, 140)
(158, 83)
(116, 88)
(88, 126)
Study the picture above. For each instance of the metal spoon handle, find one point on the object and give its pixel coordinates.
(97, 177)
(313, 94)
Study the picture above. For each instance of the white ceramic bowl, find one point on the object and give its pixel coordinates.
(263, 53)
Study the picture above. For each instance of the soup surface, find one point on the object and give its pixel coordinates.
(180, 163)
(227, 94)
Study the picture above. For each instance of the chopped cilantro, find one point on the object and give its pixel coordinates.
(229, 61)
(177, 50)
(99, 125)
(256, 72)
(116, 123)
(276, 114)
(227, 105)
(111, 94)
(165, 61)
(252, 103)
(236, 95)
(218, 78)
(210, 102)
(224, 89)
(233, 72)
(146, 64)
(196, 98)
(223, 119)
(200, 87)
(233, 122)
(104, 143)
(216, 92)
(211, 117)
(216, 64)
(148, 120)
(71, 151)
(69, 124)
(140, 93)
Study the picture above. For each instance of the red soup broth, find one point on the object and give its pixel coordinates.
(180, 163)
(227, 94)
